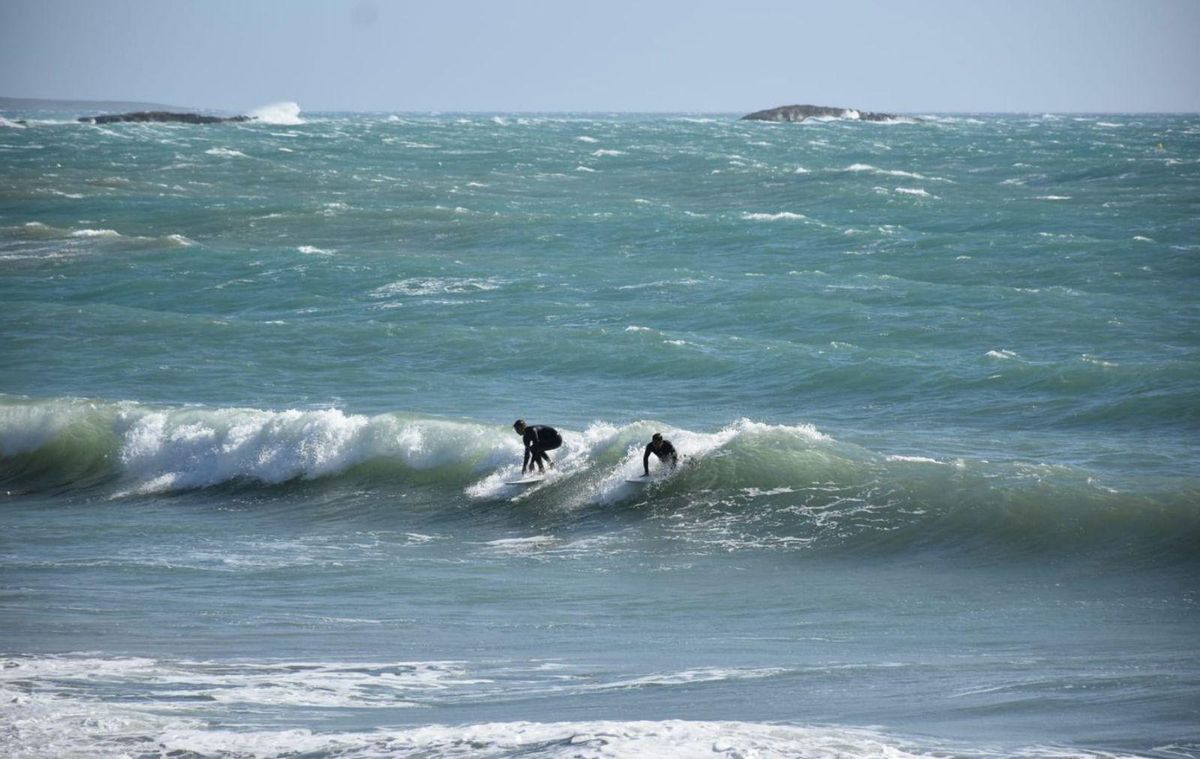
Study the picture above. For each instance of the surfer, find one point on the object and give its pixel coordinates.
(662, 448)
(538, 438)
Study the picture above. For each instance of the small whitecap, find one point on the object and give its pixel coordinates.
(781, 216)
(95, 233)
(913, 459)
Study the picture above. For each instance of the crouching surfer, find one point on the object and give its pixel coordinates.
(538, 439)
(662, 448)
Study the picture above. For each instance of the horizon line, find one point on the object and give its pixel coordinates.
(599, 111)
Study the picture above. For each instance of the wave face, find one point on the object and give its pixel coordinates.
(745, 485)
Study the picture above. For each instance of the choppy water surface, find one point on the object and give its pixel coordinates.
(936, 384)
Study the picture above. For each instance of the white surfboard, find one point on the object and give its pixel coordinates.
(527, 481)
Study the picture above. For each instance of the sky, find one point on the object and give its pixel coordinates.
(914, 56)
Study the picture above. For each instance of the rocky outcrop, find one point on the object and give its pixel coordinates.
(161, 116)
(802, 112)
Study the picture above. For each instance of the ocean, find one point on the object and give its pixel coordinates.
(935, 384)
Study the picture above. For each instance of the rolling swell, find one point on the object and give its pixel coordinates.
(747, 485)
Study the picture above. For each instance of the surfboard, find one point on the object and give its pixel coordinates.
(645, 480)
(527, 481)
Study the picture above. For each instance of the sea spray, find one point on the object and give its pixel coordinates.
(284, 113)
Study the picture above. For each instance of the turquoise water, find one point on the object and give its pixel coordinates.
(936, 383)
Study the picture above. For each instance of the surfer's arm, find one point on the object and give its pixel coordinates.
(646, 461)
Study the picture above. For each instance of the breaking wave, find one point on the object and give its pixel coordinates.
(285, 113)
(745, 485)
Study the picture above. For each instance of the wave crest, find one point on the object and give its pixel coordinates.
(285, 113)
(747, 485)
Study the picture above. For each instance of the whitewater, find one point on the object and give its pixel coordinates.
(935, 384)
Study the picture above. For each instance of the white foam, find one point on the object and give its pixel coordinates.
(422, 286)
(578, 740)
(522, 545)
(278, 113)
(1053, 197)
(914, 459)
(334, 685)
(312, 250)
(188, 448)
(10, 124)
(601, 153)
(706, 675)
(585, 138)
(1001, 354)
(868, 168)
(917, 191)
(95, 233)
(781, 216)
(663, 283)
(226, 153)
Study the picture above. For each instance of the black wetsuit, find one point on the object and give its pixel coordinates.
(666, 451)
(539, 438)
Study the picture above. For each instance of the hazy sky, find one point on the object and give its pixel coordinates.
(609, 55)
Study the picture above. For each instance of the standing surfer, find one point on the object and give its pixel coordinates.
(662, 448)
(538, 438)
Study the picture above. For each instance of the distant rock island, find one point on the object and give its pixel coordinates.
(802, 112)
(161, 117)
